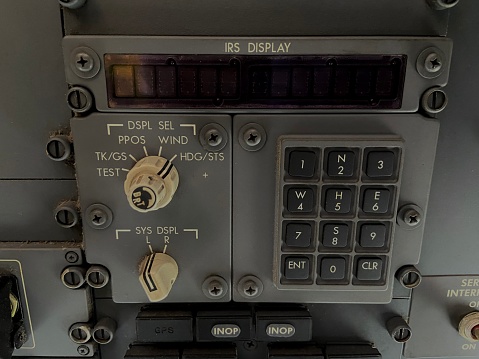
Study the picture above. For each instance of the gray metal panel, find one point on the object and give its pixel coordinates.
(331, 324)
(201, 202)
(254, 192)
(414, 85)
(253, 18)
(437, 307)
(51, 307)
(29, 215)
(450, 242)
(32, 88)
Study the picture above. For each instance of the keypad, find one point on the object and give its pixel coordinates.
(338, 210)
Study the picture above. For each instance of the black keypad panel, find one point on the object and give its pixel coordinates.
(337, 219)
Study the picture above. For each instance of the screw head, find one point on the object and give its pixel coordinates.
(72, 257)
(402, 335)
(73, 277)
(250, 288)
(250, 345)
(58, 148)
(215, 288)
(83, 62)
(83, 350)
(252, 137)
(213, 137)
(433, 63)
(79, 99)
(412, 218)
(98, 216)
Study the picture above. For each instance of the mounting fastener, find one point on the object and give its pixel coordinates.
(79, 99)
(213, 137)
(409, 277)
(97, 276)
(84, 62)
(98, 216)
(83, 350)
(73, 277)
(410, 216)
(80, 333)
(66, 215)
(398, 329)
(72, 4)
(214, 287)
(434, 101)
(104, 330)
(252, 137)
(431, 63)
(250, 287)
(442, 4)
(59, 148)
(72, 257)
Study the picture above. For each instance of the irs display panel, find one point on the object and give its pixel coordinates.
(182, 81)
(226, 74)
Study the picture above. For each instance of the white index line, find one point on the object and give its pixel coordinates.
(145, 150)
(118, 231)
(173, 158)
(189, 125)
(164, 249)
(159, 151)
(192, 230)
(125, 170)
(133, 158)
(151, 249)
(109, 125)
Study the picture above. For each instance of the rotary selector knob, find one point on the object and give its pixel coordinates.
(151, 184)
(158, 273)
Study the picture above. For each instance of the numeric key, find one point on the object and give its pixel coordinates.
(302, 164)
(341, 164)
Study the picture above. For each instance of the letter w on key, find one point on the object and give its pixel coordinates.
(300, 194)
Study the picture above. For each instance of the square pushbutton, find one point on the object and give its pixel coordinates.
(380, 164)
(338, 200)
(300, 200)
(302, 164)
(369, 269)
(376, 200)
(335, 235)
(373, 235)
(296, 268)
(333, 269)
(298, 234)
(341, 164)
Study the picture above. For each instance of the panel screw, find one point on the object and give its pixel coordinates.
(409, 277)
(73, 277)
(252, 137)
(59, 148)
(434, 101)
(99, 216)
(213, 137)
(250, 345)
(66, 215)
(97, 276)
(410, 216)
(442, 4)
(433, 62)
(83, 350)
(398, 329)
(250, 287)
(214, 287)
(72, 4)
(72, 257)
(83, 62)
(79, 99)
